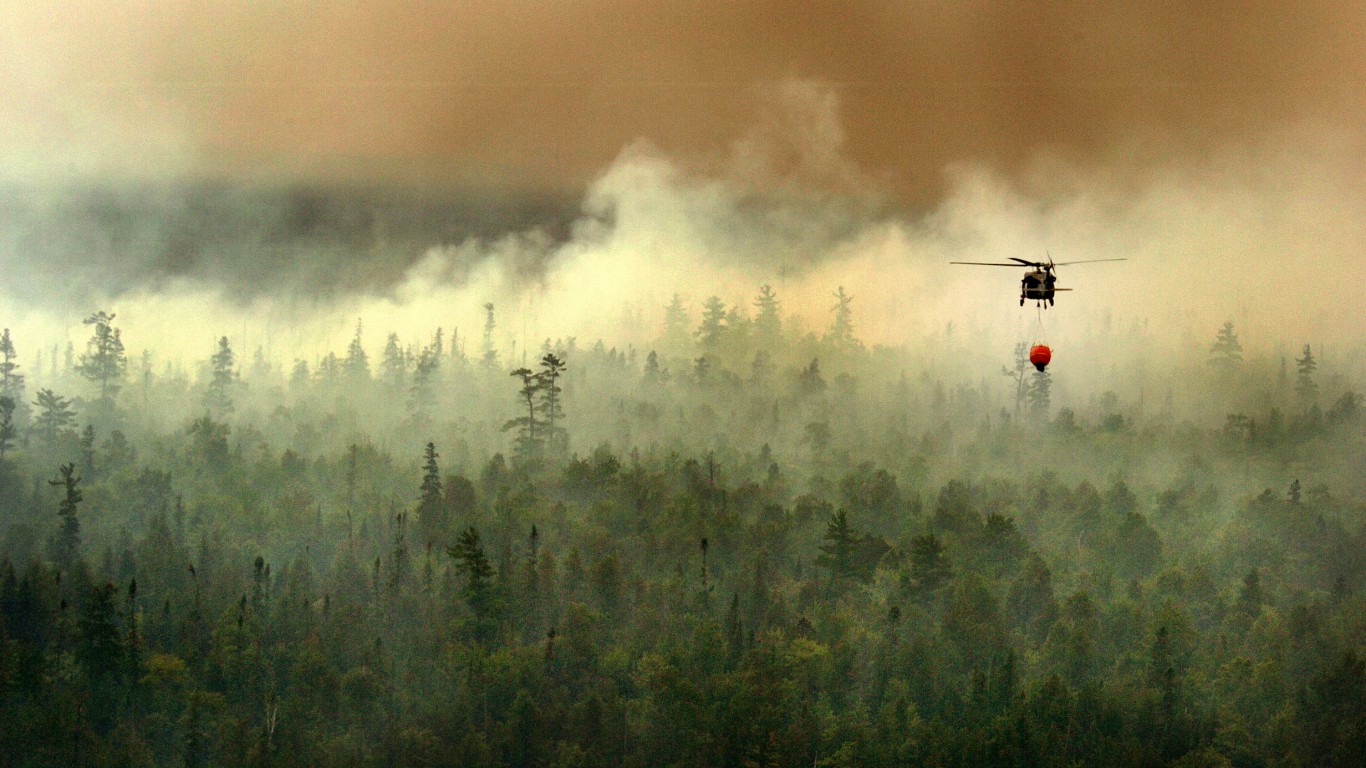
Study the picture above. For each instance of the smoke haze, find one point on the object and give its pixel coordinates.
(288, 169)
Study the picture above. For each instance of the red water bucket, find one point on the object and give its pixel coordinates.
(1039, 355)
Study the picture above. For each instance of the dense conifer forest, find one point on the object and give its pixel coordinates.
(750, 543)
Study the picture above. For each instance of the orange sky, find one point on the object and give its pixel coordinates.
(545, 94)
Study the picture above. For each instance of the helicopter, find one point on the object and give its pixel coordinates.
(1040, 280)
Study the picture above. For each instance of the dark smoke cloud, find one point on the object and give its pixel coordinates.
(97, 242)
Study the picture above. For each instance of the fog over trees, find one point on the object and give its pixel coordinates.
(751, 542)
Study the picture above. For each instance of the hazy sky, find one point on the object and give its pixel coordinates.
(716, 146)
(546, 93)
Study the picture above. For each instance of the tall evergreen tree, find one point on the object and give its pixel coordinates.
(1305, 387)
(838, 551)
(104, 361)
(841, 335)
(431, 507)
(55, 415)
(11, 381)
(529, 438)
(712, 331)
(393, 364)
(357, 363)
(473, 564)
(222, 376)
(548, 378)
(768, 324)
(1226, 353)
(66, 542)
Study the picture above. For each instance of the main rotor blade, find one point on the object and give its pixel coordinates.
(1085, 261)
(986, 263)
(1026, 263)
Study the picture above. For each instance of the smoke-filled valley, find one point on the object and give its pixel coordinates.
(579, 386)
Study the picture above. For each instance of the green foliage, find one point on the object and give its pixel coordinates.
(104, 361)
(55, 415)
(729, 572)
(1226, 353)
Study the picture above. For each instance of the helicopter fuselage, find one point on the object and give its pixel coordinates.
(1038, 285)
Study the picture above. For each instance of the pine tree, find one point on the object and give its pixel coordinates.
(393, 364)
(1305, 387)
(841, 334)
(218, 398)
(529, 439)
(548, 378)
(11, 381)
(837, 553)
(1226, 353)
(66, 543)
(473, 564)
(712, 331)
(431, 509)
(104, 362)
(653, 374)
(55, 415)
(768, 324)
(357, 363)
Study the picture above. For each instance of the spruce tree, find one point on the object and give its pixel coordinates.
(768, 324)
(1305, 387)
(837, 553)
(11, 381)
(712, 331)
(357, 363)
(66, 542)
(393, 364)
(841, 334)
(218, 398)
(473, 564)
(431, 508)
(1226, 353)
(55, 415)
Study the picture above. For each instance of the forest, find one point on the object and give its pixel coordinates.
(751, 543)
